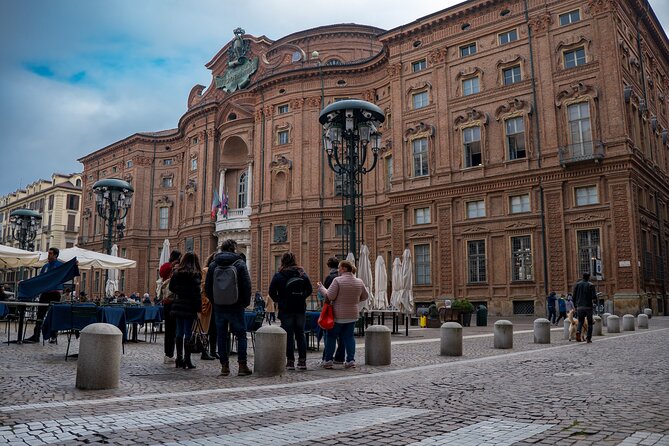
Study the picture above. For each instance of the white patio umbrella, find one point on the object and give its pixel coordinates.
(365, 274)
(380, 284)
(112, 276)
(407, 283)
(397, 283)
(15, 257)
(351, 258)
(90, 259)
(164, 258)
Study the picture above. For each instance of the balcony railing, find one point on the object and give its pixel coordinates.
(586, 151)
(238, 219)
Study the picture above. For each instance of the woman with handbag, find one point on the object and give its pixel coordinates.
(345, 293)
(185, 284)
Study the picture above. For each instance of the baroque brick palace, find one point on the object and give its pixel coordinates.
(525, 143)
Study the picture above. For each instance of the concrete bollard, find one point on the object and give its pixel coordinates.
(605, 316)
(503, 332)
(99, 364)
(270, 353)
(628, 322)
(565, 330)
(648, 312)
(542, 331)
(451, 339)
(597, 326)
(642, 320)
(613, 324)
(377, 345)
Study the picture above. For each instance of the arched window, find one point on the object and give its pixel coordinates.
(242, 190)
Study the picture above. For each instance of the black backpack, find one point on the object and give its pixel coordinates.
(296, 288)
(225, 287)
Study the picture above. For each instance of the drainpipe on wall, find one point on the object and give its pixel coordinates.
(204, 177)
(321, 198)
(153, 179)
(261, 195)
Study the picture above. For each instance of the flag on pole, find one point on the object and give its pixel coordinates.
(224, 205)
(216, 203)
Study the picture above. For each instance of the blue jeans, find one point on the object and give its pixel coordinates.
(344, 332)
(293, 323)
(184, 328)
(234, 320)
(339, 353)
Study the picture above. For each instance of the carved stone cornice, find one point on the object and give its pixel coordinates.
(369, 95)
(476, 230)
(576, 92)
(296, 104)
(420, 130)
(163, 201)
(471, 116)
(469, 72)
(191, 187)
(142, 160)
(420, 235)
(313, 102)
(541, 23)
(595, 7)
(394, 70)
(513, 105)
(280, 164)
(437, 56)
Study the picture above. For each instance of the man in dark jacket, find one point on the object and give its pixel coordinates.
(48, 296)
(584, 296)
(232, 315)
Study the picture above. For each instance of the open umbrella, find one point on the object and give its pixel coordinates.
(396, 294)
(380, 284)
(91, 259)
(164, 258)
(14, 257)
(112, 276)
(365, 274)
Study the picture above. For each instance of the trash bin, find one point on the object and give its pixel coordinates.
(481, 316)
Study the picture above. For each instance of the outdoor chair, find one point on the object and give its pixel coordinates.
(257, 323)
(80, 316)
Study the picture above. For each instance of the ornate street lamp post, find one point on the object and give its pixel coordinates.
(112, 201)
(350, 130)
(24, 224)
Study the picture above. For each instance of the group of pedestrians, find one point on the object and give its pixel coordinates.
(559, 307)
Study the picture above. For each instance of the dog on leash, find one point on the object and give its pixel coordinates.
(573, 326)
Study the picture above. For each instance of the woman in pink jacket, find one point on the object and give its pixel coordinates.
(345, 292)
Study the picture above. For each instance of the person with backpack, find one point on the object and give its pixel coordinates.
(185, 284)
(290, 288)
(229, 285)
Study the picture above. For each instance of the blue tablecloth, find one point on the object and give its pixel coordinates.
(142, 315)
(4, 310)
(311, 322)
(249, 319)
(65, 317)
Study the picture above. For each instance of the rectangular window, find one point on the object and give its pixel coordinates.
(164, 218)
(588, 250)
(51, 198)
(423, 267)
(420, 100)
(283, 137)
(476, 209)
(194, 140)
(472, 142)
(476, 267)
(389, 226)
(124, 252)
(277, 263)
(167, 162)
(579, 129)
(574, 58)
(167, 182)
(420, 165)
(129, 164)
(96, 282)
(193, 164)
(515, 137)
(341, 186)
(508, 36)
(72, 202)
(283, 109)
(341, 230)
(586, 195)
(388, 171)
(419, 65)
(520, 203)
(71, 223)
(114, 169)
(421, 216)
(521, 258)
(468, 50)
(570, 17)
(470, 86)
(511, 75)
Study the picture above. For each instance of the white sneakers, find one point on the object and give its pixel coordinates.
(168, 360)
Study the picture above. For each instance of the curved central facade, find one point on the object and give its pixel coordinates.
(514, 155)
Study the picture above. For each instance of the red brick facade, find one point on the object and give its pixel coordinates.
(518, 145)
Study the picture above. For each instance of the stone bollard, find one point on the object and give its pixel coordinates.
(503, 332)
(628, 322)
(542, 331)
(648, 312)
(605, 316)
(451, 339)
(565, 331)
(270, 352)
(643, 320)
(597, 326)
(377, 345)
(99, 364)
(613, 324)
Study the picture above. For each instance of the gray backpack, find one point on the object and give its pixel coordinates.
(225, 284)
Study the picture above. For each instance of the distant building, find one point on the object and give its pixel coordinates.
(521, 149)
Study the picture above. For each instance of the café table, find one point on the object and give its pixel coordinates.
(63, 317)
(140, 315)
(21, 307)
(381, 318)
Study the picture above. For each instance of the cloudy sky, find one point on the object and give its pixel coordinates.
(77, 75)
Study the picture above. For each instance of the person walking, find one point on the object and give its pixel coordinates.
(209, 329)
(290, 288)
(270, 310)
(584, 297)
(185, 284)
(231, 292)
(345, 293)
(47, 297)
(562, 309)
(551, 301)
(569, 303)
(165, 272)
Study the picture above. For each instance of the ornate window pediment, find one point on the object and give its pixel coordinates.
(191, 187)
(577, 92)
(280, 164)
(512, 107)
(469, 72)
(471, 117)
(420, 130)
(164, 201)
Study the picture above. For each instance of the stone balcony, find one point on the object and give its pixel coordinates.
(238, 220)
(585, 152)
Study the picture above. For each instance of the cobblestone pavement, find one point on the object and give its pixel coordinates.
(611, 392)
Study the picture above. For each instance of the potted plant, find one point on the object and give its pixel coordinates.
(465, 308)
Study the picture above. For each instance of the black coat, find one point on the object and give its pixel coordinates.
(187, 301)
(226, 258)
(277, 291)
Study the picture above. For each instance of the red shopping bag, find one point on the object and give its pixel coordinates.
(326, 319)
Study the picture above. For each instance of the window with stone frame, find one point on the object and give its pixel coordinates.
(420, 157)
(580, 132)
(423, 267)
(163, 217)
(519, 203)
(511, 75)
(283, 137)
(507, 36)
(586, 195)
(388, 171)
(521, 258)
(419, 65)
(574, 57)
(468, 49)
(476, 261)
(283, 109)
(515, 137)
(588, 249)
(242, 190)
(471, 138)
(476, 209)
(420, 100)
(470, 86)
(569, 17)
(422, 216)
(193, 164)
(167, 182)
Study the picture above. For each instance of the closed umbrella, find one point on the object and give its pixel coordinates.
(351, 258)
(380, 284)
(407, 284)
(112, 276)
(365, 274)
(164, 258)
(397, 283)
